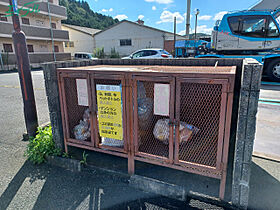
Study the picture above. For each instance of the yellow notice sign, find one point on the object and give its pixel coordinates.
(109, 102)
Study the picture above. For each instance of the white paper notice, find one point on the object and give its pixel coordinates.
(82, 92)
(161, 99)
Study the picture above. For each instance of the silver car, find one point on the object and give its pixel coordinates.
(149, 54)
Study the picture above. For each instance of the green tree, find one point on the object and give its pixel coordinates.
(79, 13)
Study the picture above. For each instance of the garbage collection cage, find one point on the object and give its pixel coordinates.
(174, 116)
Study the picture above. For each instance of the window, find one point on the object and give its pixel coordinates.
(78, 55)
(138, 54)
(272, 30)
(125, 42)
(151, 52)
(56, 48)
(3, 18)
(51, 1)
(234, 24)
(8, 47)
(30, 48)
(53, 25)
(251, 26)
(25, 21)
(71, 44)
(85, 56)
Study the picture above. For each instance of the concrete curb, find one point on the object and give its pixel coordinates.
(66, 163)
(158, 187)
(266, 156)
(142, 183)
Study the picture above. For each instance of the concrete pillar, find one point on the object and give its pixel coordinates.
(246, 128)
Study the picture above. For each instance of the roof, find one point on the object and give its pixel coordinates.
(127, 21)
(89, 31)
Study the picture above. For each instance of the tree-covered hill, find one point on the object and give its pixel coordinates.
(80, 14)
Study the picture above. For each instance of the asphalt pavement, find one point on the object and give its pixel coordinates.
(25, 186)
(267, 142)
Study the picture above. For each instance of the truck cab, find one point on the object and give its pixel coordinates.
(246, 32)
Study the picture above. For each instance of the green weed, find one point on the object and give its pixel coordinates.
(41, 146)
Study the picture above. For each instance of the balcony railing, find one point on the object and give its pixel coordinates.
(33, 32)
(55, 10)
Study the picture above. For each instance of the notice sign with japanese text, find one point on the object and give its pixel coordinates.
(161, 99)
(109, 103)
(82, 92)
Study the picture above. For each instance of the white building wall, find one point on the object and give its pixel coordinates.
(82, 42)
(141, 37)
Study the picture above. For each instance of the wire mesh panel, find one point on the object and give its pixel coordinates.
(76, 103)
(109, 104)
(201, 114)
(152, 130)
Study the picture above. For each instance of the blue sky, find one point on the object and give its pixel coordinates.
(160, 13)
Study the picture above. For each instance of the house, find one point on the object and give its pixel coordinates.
(42, 29)
(127, 37)
(80, 39)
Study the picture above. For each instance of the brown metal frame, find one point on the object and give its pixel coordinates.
(171, 81)
(94, 111)
(224, 83)
(64, 111)
(130, 117)
(223, 141)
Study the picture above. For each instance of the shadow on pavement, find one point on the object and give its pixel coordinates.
(63, 189)
(95, 189)
(27, 170)
(264, 190)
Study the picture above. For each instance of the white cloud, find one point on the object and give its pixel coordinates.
(107, 10)
(168, 17)
(182, 32)
(203, 29)
(140, 17)
(154, 8)
(161, 1)
(121, 17)
(204, 17)
(220, 15)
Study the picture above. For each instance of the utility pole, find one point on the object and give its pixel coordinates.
(50, 19)
(174, 37)
(188, 19)
(19, 40)
(196, 14)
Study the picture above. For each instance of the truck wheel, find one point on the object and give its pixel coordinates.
(273, 70)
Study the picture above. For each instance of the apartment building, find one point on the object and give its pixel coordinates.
(44, 38)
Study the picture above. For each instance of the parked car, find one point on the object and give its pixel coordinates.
(83, 55)
(149, 54)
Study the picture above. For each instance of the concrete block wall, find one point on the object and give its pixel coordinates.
(245, 102)
(246, 129)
